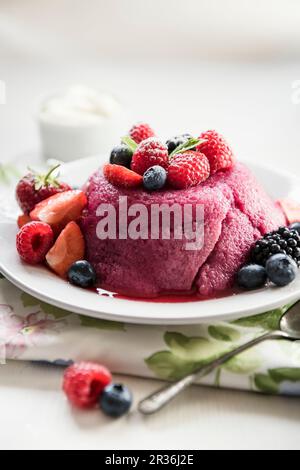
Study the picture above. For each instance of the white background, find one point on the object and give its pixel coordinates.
(183, 66)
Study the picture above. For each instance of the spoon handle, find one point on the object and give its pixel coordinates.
(160, 398)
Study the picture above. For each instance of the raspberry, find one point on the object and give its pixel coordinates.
(188, 169)
(140, 132)
(83, 383)
(217, 151)
(34, 240)
(149, 153)
(34, 188)
(122, 176)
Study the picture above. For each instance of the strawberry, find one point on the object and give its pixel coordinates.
(141, 131)
(60, 209)
(188, 169)
(83, 383)
(291, 210)
(122, 176)
(68, 248)
(34, 188)
(216, 149)
(149, 153)
(33, 241)
(23, 220)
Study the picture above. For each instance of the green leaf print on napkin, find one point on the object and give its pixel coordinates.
(165, 365)
(267, 321)
(223, 333)
(286, 373)
(58, 313)
(244, 363)
(264, 383)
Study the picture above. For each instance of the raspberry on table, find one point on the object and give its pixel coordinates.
(33, 241)
(83, 383)
(216, 149)
(149, 153)
(121, 176)
(188, 169)
(141, 131)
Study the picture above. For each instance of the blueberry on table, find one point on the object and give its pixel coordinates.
(115, 400)
(82, 274)
(252, 276)
(121, 155)
(281, 269)
(154, 178)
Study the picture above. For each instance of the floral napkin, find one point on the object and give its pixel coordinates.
(35, 331)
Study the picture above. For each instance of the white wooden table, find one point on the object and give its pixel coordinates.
(251, 105)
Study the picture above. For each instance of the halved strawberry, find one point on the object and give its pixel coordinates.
(60, 209)
(23, 220)
(291, 210)
(122, 176)
(68, 248)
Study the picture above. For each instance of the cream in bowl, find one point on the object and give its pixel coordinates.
(80, 122)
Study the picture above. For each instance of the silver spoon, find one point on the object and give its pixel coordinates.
(289, 328)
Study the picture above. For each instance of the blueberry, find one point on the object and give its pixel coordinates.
(252, 276)
(174, 142)
(295, 226)
(82, 274)
(281, 269)
(115, 400)
(121, 155)
(154, 178)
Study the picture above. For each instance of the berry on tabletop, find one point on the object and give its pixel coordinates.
(83, 383)
(141, 131)
(34, 188)
(121, 155)
(68, 248)
(122, 176)
(281, 269)
(150, 152)
(188, 169)
(154, 178)
(33, 241)
(115, 400)
(217, 151)
(82, 274)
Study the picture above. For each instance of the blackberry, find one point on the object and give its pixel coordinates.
(284, 240)
(174, 142)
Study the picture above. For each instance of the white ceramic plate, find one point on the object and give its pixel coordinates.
(41, 283)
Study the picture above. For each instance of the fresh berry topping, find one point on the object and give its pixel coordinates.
(252, 276)
(34, 240)
(283, 241)
(68, 248)
(141, 131)
(154, 178)
(83, 383)
(174, 142)
(217, 151)
(121, 176)
(281, 269)
(82, 274)
(149, 153)
(121, 155)
(23, 220)
(115, 400)
(291, 210)
(34, 188)
(188, 169)
(295, 226)
(60, 209)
